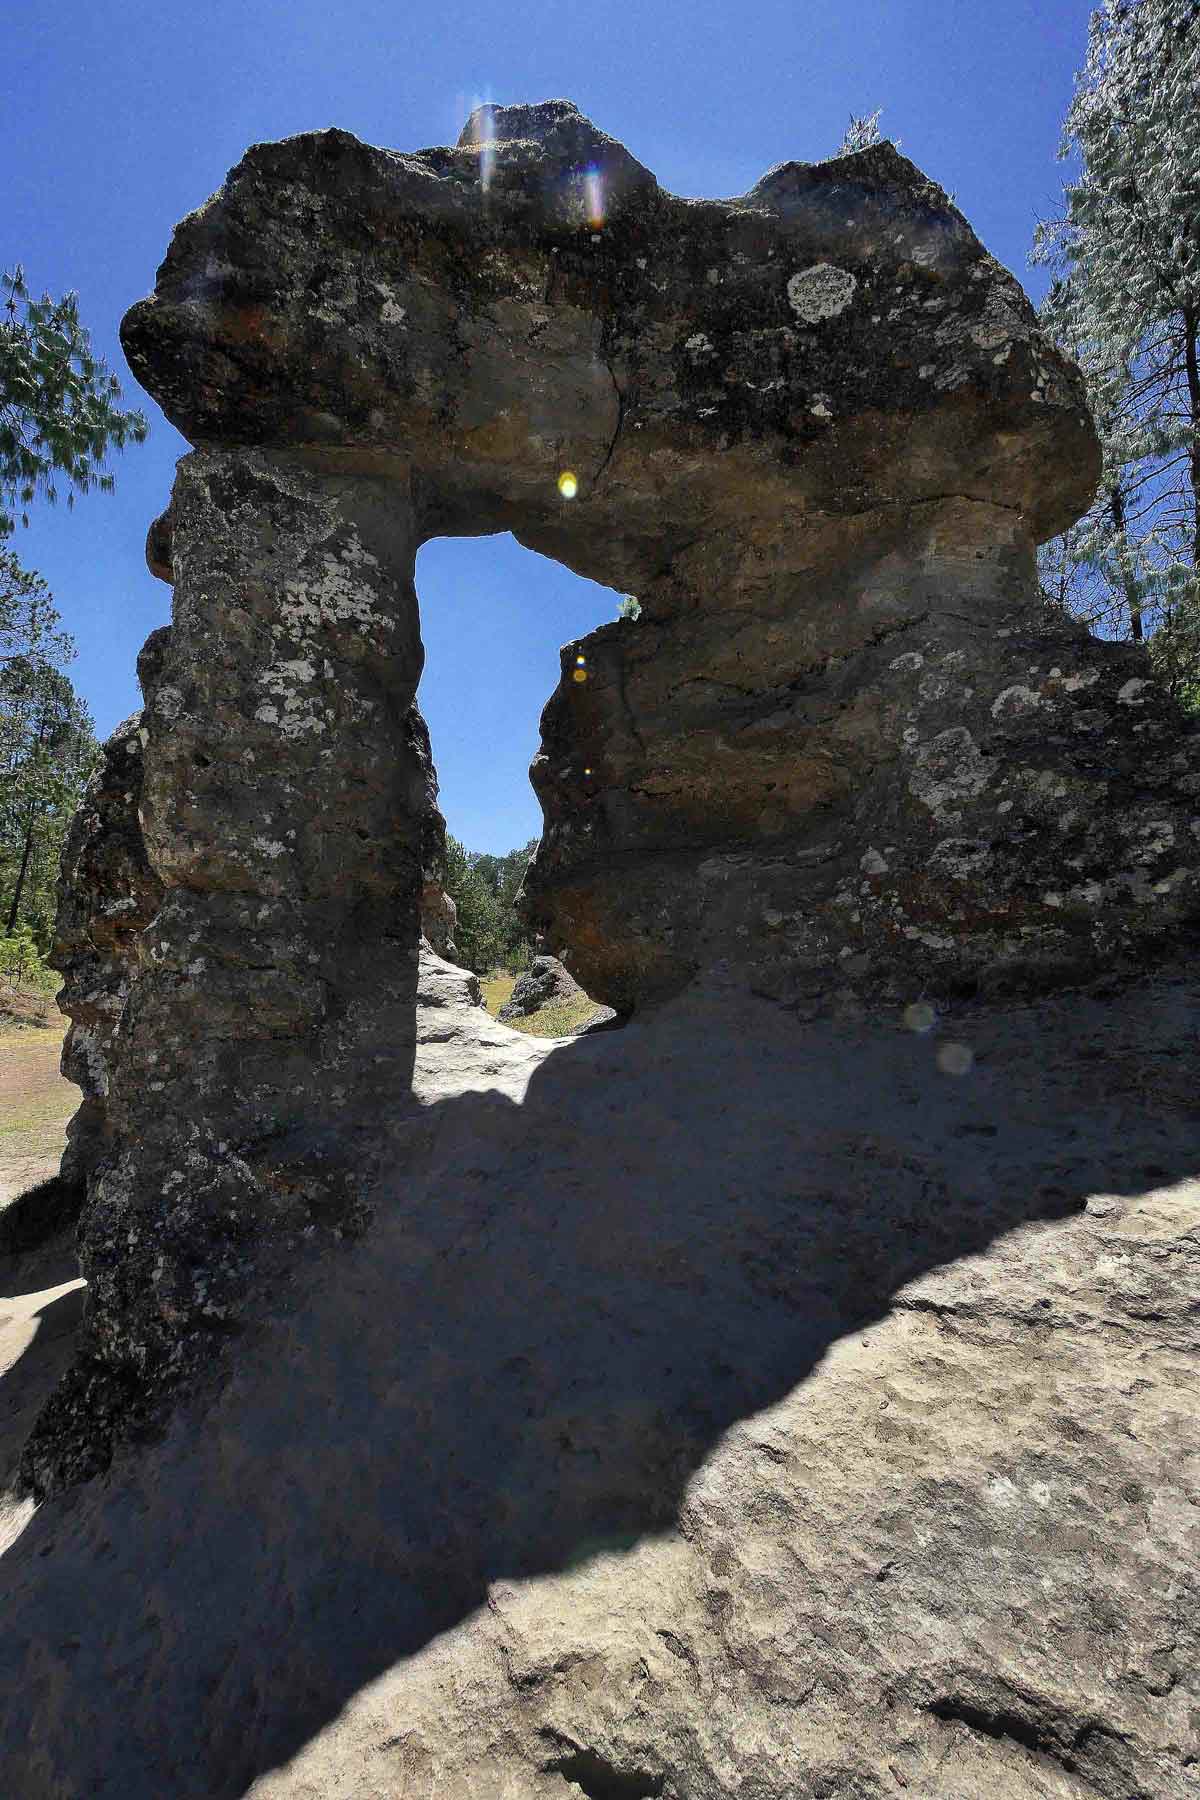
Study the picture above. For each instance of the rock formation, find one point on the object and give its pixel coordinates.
(545, 980)
(844, 757)
(107, 896)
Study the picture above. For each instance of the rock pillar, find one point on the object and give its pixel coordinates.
(270, 1021)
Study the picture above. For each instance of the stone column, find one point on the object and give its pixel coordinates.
(271, 1022)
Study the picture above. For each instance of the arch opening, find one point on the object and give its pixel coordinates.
(502, 627)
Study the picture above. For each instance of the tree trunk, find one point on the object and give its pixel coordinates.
(1191, 326)
(15, 908)
(1116, 502)
(30, 823)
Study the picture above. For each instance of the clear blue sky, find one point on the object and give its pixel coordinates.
(118, 116)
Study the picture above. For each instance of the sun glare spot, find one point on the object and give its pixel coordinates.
(955, 1059)
(483, 133)
(593, 184)
(568, 484)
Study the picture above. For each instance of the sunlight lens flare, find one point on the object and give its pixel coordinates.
(483, 133)
(593, 187)
(568, 484)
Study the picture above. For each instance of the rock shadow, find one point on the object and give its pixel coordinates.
(594, 1265)
(37, 1328)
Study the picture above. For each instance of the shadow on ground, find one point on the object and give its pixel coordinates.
(563, 1305)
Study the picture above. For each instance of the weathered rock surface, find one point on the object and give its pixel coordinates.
(544, 981)
(816, 430)
(108, 894)
(763, 1400)
(726, 1408)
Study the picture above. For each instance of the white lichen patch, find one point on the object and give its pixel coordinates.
(910, 661)
(1132, 693)
(168, 703)
(820, 407)
(962, 858)
(390, 312)
(86, 1047)
(699, 344)
(871, 862)
(1085, 679)
(820, 292)
(949, 770)
(931, 939)
(1014, 701)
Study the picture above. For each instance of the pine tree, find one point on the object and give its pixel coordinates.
(47, 751)
(58, 404)
(1125, 303)
(28, 619)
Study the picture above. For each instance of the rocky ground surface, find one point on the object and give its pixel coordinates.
(731, 1405)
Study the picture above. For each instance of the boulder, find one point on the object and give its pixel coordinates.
(542, 983)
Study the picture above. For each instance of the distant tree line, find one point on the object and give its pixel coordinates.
(488, 934)
(48, 750)
(59, 418)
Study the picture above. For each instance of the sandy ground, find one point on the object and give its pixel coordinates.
(35, 1105)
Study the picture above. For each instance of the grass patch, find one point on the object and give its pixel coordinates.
(497, 989)
(561, 1019)
(30, 1005)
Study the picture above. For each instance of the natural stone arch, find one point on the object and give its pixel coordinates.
(814, 429)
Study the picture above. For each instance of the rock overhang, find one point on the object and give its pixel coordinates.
(835, 340)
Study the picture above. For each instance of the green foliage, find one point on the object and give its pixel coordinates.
(47, 753)
(22, 964)
(630, 607)
(58, 404)
(1125, 303)
(28, 620)
(488, 934)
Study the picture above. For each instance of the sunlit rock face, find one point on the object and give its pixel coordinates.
(843, 750)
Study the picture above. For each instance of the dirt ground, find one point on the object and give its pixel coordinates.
(35, 1104)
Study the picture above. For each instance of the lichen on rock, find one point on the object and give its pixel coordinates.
(844, 749)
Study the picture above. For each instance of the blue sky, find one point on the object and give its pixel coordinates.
(119, 116)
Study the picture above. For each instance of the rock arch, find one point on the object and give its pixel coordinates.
(814, 429)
